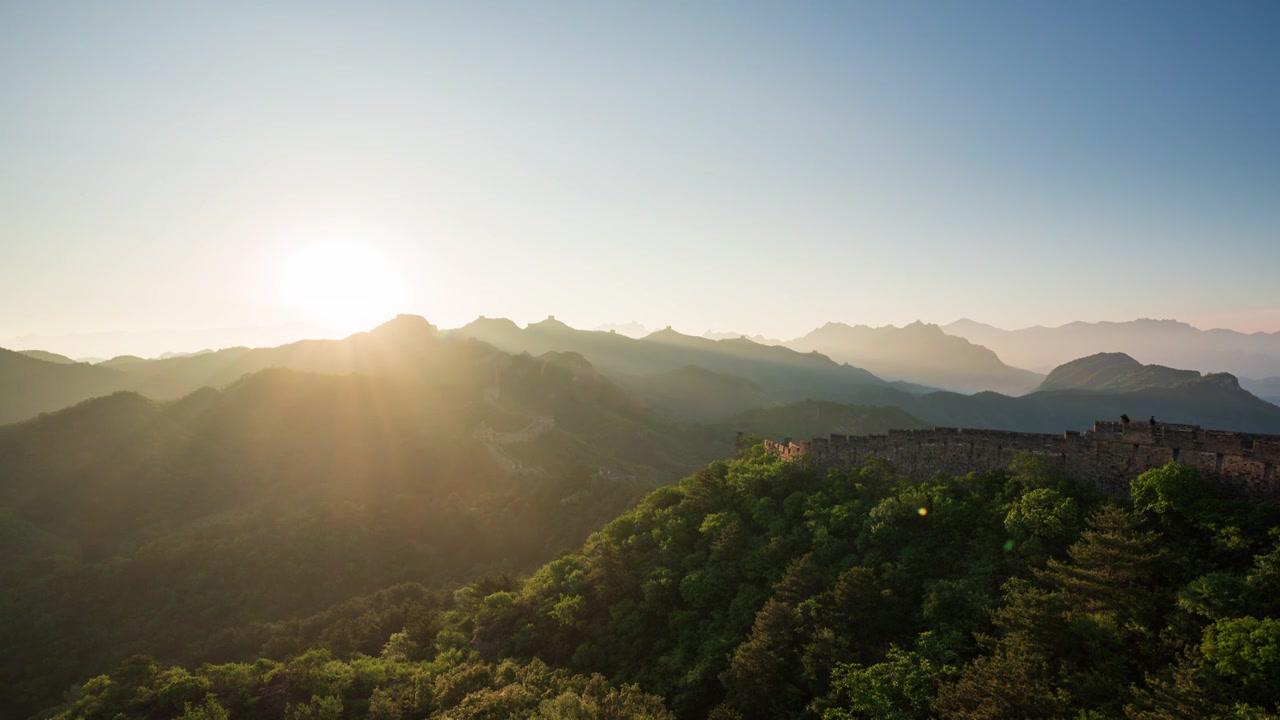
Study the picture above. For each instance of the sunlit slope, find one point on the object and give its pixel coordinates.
(407, 348)
(287, 491)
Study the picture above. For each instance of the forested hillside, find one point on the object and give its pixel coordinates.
(1114, 372)
(762, 589)
(136, 526)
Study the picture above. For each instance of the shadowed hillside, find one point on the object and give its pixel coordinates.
(696, 394)
(30, 385)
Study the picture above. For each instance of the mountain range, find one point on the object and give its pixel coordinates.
(779, 374)
(1164, 342)
(686, 378)
(247, 482)
(919, 353)
(743, 373)
(299, 476)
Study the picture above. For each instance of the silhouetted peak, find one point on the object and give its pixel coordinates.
(122, 360)
(1223, 380)
(1117, 359)
(488, 323)
(968, 325)
(923, 328)
(405, 326)
(551, 323)
(668, 333)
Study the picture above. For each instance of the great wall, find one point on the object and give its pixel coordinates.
(1110, 455)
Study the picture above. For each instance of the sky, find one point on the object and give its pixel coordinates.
(755, 167)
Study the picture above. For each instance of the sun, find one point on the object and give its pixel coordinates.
(342, 286)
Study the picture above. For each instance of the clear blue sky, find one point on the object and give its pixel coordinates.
(757, 167)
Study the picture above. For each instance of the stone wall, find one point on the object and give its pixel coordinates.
(1109, 456)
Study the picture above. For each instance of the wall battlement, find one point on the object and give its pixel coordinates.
(1110, 455)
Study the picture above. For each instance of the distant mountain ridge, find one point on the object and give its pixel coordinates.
(1164, 342)
(31, 385)
(711, 335)
(784, 374)
(1214, 401)
(687, 378)
(48, 357)
(919, 353)
(632, 329)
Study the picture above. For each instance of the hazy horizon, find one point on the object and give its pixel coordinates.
(748, 168)
(151, 343)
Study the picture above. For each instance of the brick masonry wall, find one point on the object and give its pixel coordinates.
(1109, 456)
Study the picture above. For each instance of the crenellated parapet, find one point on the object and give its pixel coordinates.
(1109, 455)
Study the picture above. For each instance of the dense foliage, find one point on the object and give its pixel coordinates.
(761, 588)
(314, 686)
